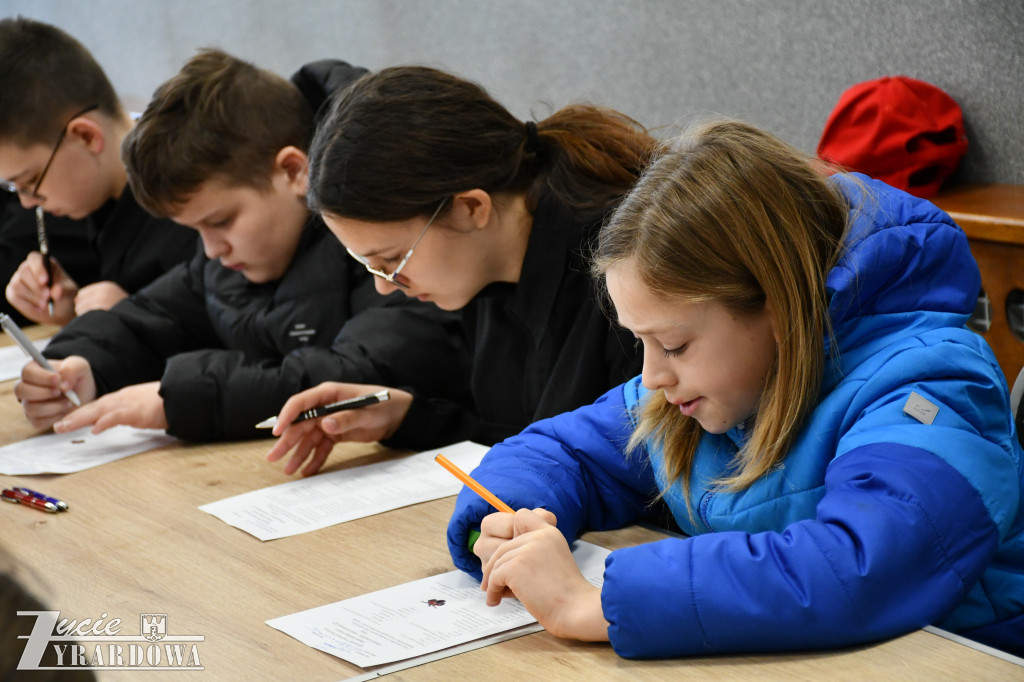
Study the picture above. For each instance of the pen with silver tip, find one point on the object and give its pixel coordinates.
(324, 410)
(14, 331)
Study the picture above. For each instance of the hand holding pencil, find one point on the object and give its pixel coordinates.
(525, 556)
(495, 529)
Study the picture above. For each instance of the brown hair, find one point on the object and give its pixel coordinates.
(733, 215)
(45, 77)
(219, 116)
(399, 141)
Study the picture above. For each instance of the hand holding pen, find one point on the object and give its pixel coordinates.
(38, 284)
(313, 439)
(29, 348)
(332, 408)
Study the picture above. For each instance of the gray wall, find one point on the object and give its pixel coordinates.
(779, 63)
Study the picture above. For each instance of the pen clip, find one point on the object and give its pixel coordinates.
(44, 244)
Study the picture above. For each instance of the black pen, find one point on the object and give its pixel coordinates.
(44, 248)
(317, 412)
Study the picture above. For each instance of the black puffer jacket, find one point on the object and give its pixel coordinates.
(229, 352)
(135, 247)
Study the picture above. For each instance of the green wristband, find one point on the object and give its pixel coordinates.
(474, 535)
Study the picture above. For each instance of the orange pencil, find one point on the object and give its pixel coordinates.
(476, 487)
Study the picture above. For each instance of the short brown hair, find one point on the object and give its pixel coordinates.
(218, 117)
(46, 76)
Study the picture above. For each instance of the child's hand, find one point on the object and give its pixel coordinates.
(537, 567)
(498, 528)
(313, 439)
(98, 296)
(41, 392)
(140, 406)
(28, 293)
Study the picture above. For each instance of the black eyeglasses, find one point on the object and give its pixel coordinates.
(34, 192)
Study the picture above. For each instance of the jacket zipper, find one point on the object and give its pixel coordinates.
(705, 502)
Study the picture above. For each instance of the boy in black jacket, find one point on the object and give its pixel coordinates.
(272, 307)
(61, 127)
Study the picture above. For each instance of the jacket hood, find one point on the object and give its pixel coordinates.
(318, 81)
(903, 255)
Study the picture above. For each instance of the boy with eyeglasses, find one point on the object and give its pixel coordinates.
(61, 127)
(273, 305)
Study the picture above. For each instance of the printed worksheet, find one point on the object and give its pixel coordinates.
(12, 359)
(420, 618)
(308, 504)
(64, 453)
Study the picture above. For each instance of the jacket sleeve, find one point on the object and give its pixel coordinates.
(892, 548)
(432, 422)
(130, 343)
(221, 395)
(911, 516)
(574, 465)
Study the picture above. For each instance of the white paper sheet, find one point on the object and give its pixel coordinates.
(12, 359)
(406, 622)
(64, 453)
(309, 504)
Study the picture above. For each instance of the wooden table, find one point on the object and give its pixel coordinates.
(134, 542)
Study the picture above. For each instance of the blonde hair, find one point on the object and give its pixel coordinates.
(731, 214)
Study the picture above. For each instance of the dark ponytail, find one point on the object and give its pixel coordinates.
(400, 140)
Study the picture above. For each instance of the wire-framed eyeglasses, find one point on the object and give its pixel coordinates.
(389, 277)
(34, 192)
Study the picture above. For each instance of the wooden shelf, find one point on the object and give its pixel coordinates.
(992, 215)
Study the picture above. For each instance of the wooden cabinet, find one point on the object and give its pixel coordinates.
(992, 215)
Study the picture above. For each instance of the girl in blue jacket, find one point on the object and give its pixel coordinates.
(835, 443)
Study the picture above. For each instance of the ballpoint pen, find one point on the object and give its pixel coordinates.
(15, 495)
(60, 504)
(323, 411)
(30, 350)
(44, 248)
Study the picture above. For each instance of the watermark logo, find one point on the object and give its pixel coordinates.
(99, 645)
(154, 626)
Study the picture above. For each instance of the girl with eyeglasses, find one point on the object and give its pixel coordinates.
(444, 195)
(835, 444)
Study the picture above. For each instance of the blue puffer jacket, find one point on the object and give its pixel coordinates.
(876, 524)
